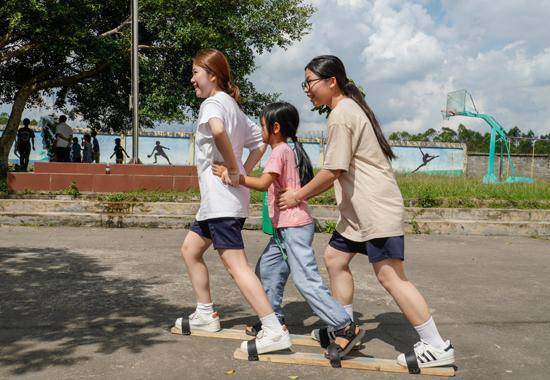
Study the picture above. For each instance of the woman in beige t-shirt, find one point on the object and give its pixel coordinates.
(357, 162)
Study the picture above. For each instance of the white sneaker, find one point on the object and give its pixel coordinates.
(200, 321)
(315, 335)
(429, 356)
(267, 341)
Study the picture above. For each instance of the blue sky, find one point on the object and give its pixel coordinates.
(409, 54)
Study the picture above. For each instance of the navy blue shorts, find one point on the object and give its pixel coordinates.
(376, 249)
(225, 233)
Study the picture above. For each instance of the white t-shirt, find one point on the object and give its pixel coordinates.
(66, 131)
(219, 200)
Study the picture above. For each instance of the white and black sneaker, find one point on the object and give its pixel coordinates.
(199, 321)
(266, 341)
(425, 355)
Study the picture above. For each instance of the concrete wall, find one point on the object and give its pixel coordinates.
(477, 165)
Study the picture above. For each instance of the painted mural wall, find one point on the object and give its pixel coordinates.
(412, 157)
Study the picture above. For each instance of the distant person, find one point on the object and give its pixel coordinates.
(158, 150)
(87, 152)
(25, 136)
(95, 147)
(63, 140)
(76, 151)
(118, 151)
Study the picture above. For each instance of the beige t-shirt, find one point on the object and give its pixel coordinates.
(368, 198)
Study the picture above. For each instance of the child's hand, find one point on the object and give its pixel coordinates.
(218, 169)
(232, 179)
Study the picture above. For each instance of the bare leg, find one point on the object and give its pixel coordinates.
(250, 286)
(192, 251)
(391, 275)
(341, 278)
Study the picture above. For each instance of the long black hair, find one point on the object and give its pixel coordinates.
(288, 118)
(328, 66)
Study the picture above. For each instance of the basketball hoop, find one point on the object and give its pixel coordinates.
(447, 114)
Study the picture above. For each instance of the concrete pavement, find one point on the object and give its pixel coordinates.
(98, 303)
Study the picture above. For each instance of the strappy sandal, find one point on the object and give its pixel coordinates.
(335, 353)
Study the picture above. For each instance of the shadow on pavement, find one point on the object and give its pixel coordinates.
(56, 300)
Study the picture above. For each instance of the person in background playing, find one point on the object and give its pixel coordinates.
(25, 137)
(119, 152)
(95, 147)
(76, 151)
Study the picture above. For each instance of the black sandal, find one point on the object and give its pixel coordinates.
(254, 329)
(335, 353)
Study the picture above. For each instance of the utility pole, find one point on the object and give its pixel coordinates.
(135, 85)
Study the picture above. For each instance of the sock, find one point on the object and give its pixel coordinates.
(270, 323)
(429, 334)
(349, 310)
(205, 308)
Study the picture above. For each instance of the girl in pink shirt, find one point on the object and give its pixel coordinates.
(290, 249)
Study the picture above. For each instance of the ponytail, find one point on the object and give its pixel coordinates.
(351, 90)
(233, 90)
(305, 169)
(328, 66)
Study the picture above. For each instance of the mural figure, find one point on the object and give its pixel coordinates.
(426, 157)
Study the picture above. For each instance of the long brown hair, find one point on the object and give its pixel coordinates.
(216, 63)
(328, 66)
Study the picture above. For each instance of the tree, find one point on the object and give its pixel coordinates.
(446, 135)
(79, 52)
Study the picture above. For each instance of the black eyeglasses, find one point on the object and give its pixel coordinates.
(307, 83)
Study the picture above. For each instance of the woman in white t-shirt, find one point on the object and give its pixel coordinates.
(223, 131)
(357, 162)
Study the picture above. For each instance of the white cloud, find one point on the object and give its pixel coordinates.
(408, 55)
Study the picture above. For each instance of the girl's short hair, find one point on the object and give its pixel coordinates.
(216, 63)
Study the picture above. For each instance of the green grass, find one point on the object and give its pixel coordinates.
(434, 191)
(3, 185)
(418, 191)
(151, 196)
(444, 191)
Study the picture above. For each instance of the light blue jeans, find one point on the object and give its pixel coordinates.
(273, 272)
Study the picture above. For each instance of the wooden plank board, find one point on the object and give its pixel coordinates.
(362, 363)
(298, 340)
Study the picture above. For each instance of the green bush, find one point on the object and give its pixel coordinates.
(3, 185)
(329, 227)
(72, 190)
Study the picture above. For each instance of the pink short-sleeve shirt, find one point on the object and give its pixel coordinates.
(283, 162)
